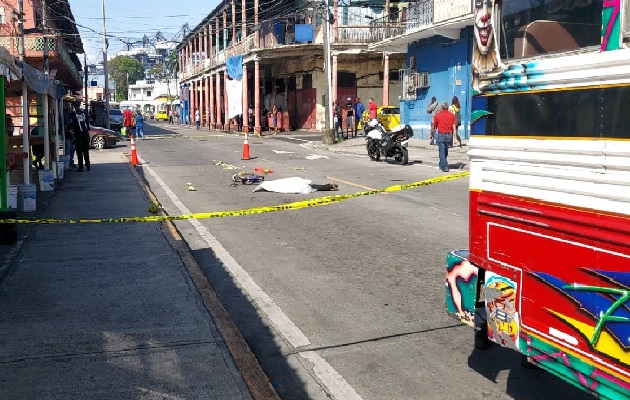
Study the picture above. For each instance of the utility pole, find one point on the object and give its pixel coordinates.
(26, 162)
(45, 96)
(328, 136)
(105, 71)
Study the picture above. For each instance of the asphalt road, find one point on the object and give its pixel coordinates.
(342, 301)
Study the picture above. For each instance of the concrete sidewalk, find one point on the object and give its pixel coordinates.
(107, 311)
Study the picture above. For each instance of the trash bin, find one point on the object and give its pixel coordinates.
(286, 125)
(60, 169)
(46, 180)
(280, 119)
(27, 198)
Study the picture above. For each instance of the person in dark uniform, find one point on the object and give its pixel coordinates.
(81, 128)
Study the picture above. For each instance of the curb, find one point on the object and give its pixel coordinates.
(246, 362)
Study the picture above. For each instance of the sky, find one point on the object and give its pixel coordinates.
(130, 20)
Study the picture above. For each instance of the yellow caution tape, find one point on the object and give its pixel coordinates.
(320, 201)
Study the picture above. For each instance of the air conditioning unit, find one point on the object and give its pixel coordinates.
(422, 80)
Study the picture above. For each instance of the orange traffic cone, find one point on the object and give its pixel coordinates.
(134, 155)
(245, 149)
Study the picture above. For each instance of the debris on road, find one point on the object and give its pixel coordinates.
(191, 188)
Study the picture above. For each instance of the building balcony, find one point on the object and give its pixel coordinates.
(60, 61)
(417, 16)
(421, 20)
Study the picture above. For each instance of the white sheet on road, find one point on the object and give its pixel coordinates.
(287, 185)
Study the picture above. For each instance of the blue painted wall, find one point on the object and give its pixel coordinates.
(448, 62)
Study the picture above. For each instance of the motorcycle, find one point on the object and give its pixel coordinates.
(388, 144)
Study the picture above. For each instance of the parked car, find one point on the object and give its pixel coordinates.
(147, 115)
(115, 119)
(161, 115)
(101, 138)
(389, 116)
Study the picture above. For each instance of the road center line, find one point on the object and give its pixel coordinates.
(353, 184)
(330, 379)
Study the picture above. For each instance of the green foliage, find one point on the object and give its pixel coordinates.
(157, 72)
(171, 65)
(124, 70)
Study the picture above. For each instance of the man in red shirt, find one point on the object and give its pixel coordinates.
(372, 107)
(445, 123)
(127, 120)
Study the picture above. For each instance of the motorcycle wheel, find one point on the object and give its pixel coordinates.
(401, 155)
(373, 151)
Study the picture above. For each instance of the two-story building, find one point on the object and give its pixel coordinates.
(278, 47)
(151, 95)
(436, 37)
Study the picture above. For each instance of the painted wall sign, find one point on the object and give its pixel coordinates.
(449, 9)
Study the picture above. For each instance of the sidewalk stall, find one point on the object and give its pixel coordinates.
(31, 102)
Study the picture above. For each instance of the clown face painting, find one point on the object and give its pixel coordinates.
(485, 57)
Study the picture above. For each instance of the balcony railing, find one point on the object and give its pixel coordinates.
(34, 48)
(357, 34)
(419, 15)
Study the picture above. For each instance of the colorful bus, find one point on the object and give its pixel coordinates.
(547, 272)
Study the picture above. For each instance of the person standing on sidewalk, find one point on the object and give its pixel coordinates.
(455, 108)
(338, 119)
(372, 107)
(69, 131)
(127, 122)
(139, 125)
(81, 128)
(170, 117)
(445, 124)
(197, 119)
(433, 109)
(274, 116)
(350, 125)
(359, 109)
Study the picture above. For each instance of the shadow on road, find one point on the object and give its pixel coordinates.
(491, 362)
(247, 318)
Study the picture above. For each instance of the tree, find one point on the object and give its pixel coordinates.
(123, 70)
(157, 72)
(172, 64)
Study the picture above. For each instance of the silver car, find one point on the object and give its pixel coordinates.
(115, 119)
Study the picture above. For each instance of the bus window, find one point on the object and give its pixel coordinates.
(531, 28)
(590, 112)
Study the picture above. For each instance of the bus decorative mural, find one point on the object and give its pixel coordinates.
(611, 25)
(503, 319)
(573, 369)
(461, 287)
(605, 305)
